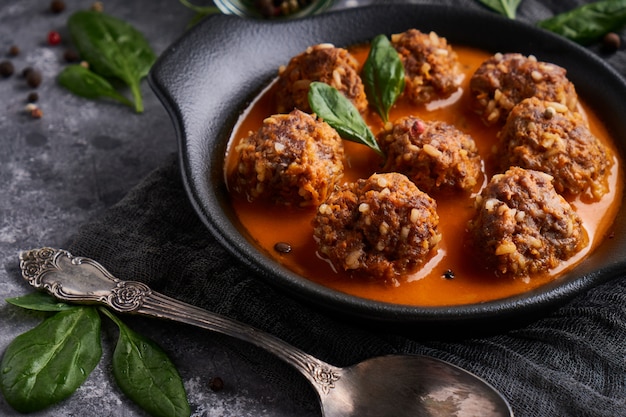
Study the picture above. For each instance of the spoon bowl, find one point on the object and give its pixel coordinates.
(412, 385)
(394, 385)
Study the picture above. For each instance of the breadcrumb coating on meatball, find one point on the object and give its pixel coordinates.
(504, 80)
(431, 66)
(382, 227)
(548, 137)
(523, 226)
(293, 159)
(435, 155)
(324, 63)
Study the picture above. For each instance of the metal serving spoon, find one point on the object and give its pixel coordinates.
(395, 385)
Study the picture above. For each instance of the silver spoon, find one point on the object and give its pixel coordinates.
(394, 385)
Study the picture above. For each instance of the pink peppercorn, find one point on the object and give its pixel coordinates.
(54, 38)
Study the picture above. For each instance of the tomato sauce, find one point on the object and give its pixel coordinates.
(452, 276)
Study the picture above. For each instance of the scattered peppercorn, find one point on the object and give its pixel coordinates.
(34, 110)
(71, 56)
(26, 71)
(14, 50)
(37, 113)
(33, 78)
(448, 274)
(54, 38)
(282, 247)
(33, 97)
(57, 6)
(611, 42)
(6, 68)
(97, 6)
(216, 384)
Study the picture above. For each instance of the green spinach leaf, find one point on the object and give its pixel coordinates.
(113, 48)
(383, 75)
(39, 301)
(48, 363)
(146, 375)
(338, 111)
(201, 11)
(589, 22)
(86, 83)
(506, 8)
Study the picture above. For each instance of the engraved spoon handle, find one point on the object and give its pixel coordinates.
(83, 280)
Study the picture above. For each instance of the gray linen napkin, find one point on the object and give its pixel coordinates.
(572, 362)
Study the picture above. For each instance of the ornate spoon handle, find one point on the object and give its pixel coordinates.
(85, 281)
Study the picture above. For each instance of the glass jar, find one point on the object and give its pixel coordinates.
(289, 9)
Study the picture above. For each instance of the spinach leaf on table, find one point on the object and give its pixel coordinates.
(39, 301)
(383, 75)
(113, 49)
(506, 8)
(145, 374)
(86, 83)
(589, 22)
(48, 363)
(338, 111)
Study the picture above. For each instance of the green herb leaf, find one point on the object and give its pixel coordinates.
(506, 8)
(201, 11)
(113, 48)
(48, 363)
(39, 301)
(589, 22)
(339, 112)
(205, 10)
(383, 75)
(146, 375)
(86, 83)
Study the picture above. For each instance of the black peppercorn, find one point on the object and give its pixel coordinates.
(14, 50)
(611, 42)
(33, 97)
(216, 384)
(448, 274)
(33, 78)
(282, 247)
(57, 6)
(71, 56)
(26, 71)
(6, 68)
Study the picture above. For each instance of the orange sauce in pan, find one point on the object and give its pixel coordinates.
(268, 224)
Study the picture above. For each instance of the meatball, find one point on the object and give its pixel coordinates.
(436, 156)
(431, 67)
(502, 81)
(293, 159)
(382, 227)
(324, 63)
(548, 137)
(523, 226)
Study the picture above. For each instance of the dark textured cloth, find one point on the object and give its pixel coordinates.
(572, 362)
